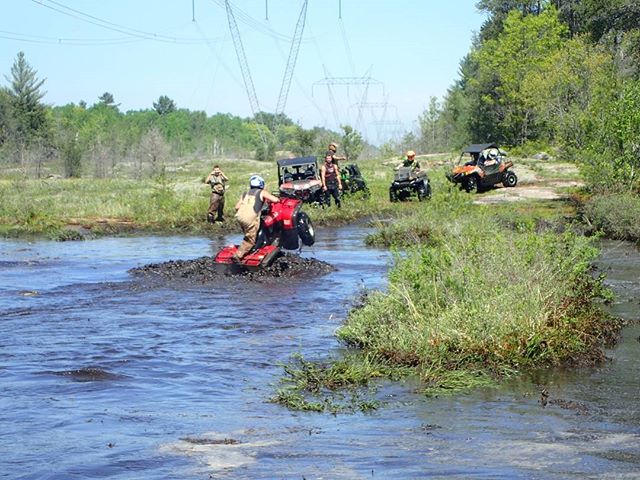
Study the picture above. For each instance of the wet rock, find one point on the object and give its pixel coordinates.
(210, 441)
(89, 374)
(204, 269)
(578, 407)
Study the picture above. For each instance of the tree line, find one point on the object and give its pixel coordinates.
(99, 140)
(561, 74)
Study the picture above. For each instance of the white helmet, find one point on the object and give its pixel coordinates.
(256, 181)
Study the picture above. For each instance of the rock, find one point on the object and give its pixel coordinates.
(541, 156)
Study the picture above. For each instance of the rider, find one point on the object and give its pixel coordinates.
(331, 182)
(411, 161)
(248, 211)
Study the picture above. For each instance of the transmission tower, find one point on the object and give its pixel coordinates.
(330, 81)
(373, 107)
(291, 61)
(348, 81)
(244, 68)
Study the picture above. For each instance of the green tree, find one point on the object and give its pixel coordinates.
(304, 143)
(107, 100)
(28, 113)
(503, 110)
(352, 142)
(164, 105)
(5, 116)
(431, 131)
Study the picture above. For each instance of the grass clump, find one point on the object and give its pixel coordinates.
(477, 303)
(485, 303)
(616, 215)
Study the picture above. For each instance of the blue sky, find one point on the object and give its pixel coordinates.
(141, 49)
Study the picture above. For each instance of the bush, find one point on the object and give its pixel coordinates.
(617, 215)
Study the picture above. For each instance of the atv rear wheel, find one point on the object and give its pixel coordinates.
(305, 229)
(510, 179)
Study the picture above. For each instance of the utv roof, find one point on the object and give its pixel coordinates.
(479, 147)
(290, 162)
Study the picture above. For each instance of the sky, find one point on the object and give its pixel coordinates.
(396, 53)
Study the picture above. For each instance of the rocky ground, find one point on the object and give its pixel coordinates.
(537, 180)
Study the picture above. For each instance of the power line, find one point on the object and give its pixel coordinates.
(108, 25)
(23, 37)
(253, 23)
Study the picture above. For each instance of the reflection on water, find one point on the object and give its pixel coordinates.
(103, 376)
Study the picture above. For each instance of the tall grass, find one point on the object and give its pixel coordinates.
(616, 215)
(475, 303)
(175, 200)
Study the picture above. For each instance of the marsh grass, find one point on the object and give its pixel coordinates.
(616, 215)
(175, 200)
(472, 302)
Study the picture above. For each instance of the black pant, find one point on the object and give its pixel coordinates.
(332, 191)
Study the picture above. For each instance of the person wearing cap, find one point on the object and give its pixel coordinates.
(247, 215)
(332, 150)
(217, 180)
(331, 182)
(410, 161)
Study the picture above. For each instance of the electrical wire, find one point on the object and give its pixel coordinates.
(66, 41)
(132, 32)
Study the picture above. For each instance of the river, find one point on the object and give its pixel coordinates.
(105, 376)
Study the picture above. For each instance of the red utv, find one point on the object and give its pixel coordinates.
(299, 178)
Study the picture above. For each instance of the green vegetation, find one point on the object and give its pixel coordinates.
(477, 293)
(616, 215)
(472, 299)
(174, 199)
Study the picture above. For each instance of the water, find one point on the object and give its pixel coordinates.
(105, 377)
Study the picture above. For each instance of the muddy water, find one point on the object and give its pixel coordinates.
(105, 375)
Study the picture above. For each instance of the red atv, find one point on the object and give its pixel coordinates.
(283, 225)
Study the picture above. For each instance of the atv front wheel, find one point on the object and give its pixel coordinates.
(305, 229)
(393, 196)
(510, 179)
(470, 184)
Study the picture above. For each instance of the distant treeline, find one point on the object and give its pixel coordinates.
(99, 140)
(554, 73)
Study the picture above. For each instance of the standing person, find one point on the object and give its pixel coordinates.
(333, 148)
(217, 180)
(248, 211)
(331, 182)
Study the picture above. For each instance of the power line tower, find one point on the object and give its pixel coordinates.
(364, 81)
(291, 61)
(380, 118)
(244, 68)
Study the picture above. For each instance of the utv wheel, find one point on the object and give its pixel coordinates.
(393, 197)
(305, 229)
(510, 179)
(470, 184)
